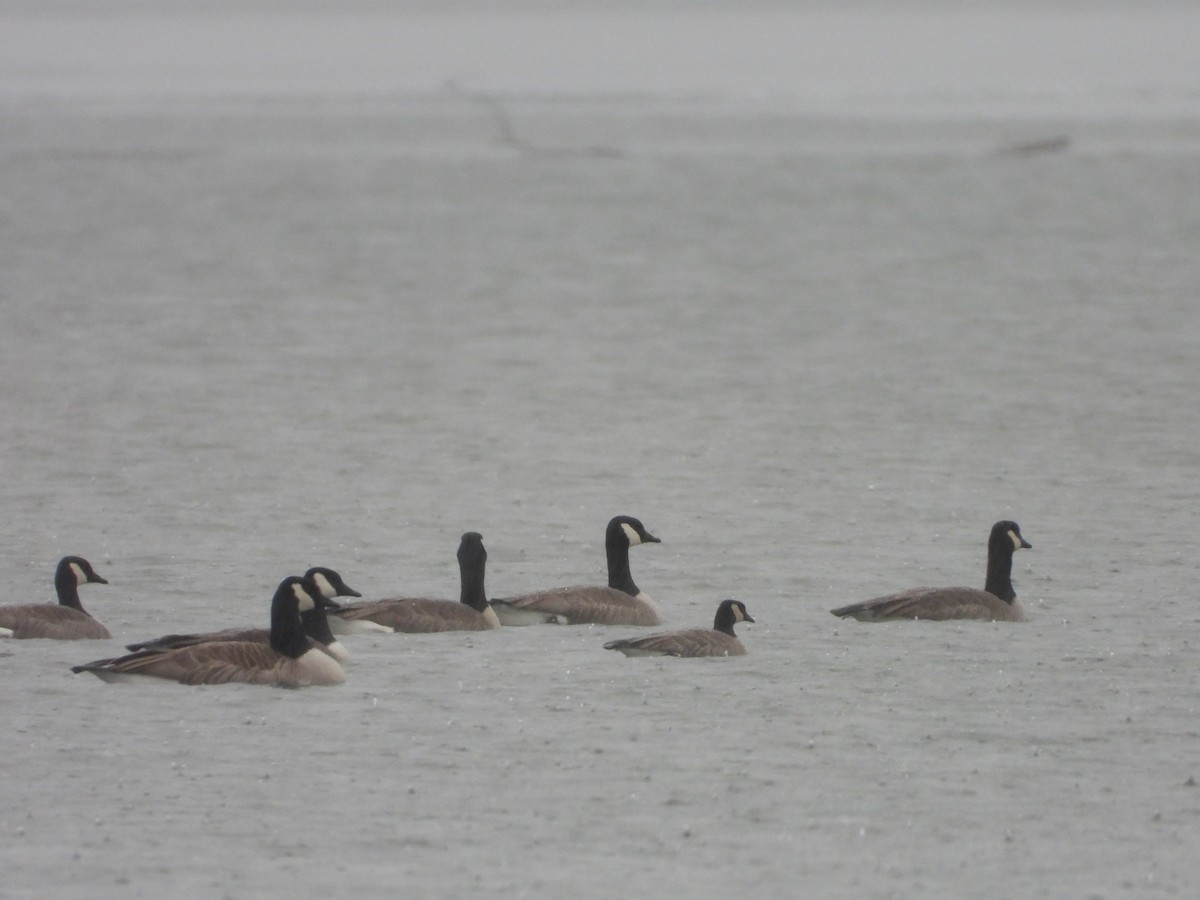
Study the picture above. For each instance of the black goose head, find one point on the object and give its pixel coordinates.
(729, 613)
(329, 584)
(472, 564)
(629, 531)
(1007, 533)
(295, 595)
(73, 571)
(77, 571)
(1004, 540)
(470, 548)
(624, 532)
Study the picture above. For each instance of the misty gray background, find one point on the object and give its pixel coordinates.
(817, 291)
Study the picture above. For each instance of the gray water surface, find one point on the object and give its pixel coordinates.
(817, 355)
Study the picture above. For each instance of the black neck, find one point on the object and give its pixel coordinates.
(617, 548)
(316, 625)
(471, 571)
(67, 587)
(287, 631)
(724, 621)
(999, 568)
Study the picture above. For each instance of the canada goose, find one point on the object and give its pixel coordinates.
(717, 641)
(417, 614)
(996, 602)
(289, 660)
(315, 621)
(67, 621)
(621, 603)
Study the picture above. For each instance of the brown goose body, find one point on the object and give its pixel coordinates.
(412, 615)
(691, 642)
(579, 605)
(936, 604)
(289, 660)
(620, 603)
(44, 620)
(423, 615)
(222, 662)
(232, 635)
(997, 602)
(315, 621)
(66, 621)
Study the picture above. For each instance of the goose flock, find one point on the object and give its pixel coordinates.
(301, 648)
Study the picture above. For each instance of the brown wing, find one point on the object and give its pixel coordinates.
(51, 620)
(581, 605)
(171, 641)
(221, 663)
(417, 615)
(213, 663)
(207, 664)
(690, 642)
(939, 604)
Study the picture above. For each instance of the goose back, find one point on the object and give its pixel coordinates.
(620, 603)
(287, 660)
(997, 602)
(422, 615)
(719, 640)
(67, 621)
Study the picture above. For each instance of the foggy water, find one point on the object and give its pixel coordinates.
(817, 351)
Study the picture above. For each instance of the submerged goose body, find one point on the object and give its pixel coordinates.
(716, 641)
(420, 615)
(288, 660)
(997, 602)
(620, 603)
(315, 622)
(66, 621)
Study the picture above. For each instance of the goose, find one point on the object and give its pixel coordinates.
(289, 660)
(417, 614)
(315, 621)
(621, 603)
(66, 621)
(996, 602)
(717, 641)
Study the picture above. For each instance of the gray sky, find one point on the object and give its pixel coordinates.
(1069, 56)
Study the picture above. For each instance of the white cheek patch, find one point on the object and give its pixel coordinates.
(1016, 539)
(306, 600)
(631, 533)
(323, 585)
(738, 615)
(80, 575)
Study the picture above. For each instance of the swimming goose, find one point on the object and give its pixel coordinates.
(68, 621)
(289, 660)
(621, 603)
(420, 615)
(717, 641)
(996, 602)
(315, 621)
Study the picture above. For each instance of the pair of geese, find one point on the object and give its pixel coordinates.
(300, 647)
